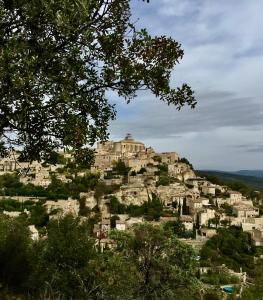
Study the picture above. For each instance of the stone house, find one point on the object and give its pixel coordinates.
(206, 215)
(104, 161)
(248, 224)
(136, 164)
(209, 189)
(205, 201)
(235, 196)
(188, 222)
(9, 163)
(195, 205)
(245, 211)
(169, 157)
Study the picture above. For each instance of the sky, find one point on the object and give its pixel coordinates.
(223, 63)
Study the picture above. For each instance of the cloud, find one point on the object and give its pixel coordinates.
(179, 8)
(254, 148)
(154, 119)
(223, 62)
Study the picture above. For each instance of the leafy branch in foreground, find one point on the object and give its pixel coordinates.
(58, 61)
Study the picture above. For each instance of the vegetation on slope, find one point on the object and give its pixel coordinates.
(11, 186)
(232, 247)
(151, 210)
(147, 263)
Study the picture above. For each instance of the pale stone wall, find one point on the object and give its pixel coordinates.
(112, 181)
(181, 171)
(33, 232)
(9, 163)
(208, 232)
(106, 146)
(127, 145)
(188, 225)
(251, 223)
(247, 226)
(169, 157)
(241, 210)
(171, 193)
(120, 225)
(133, 221)
(188, 222)
(136, 163)
(234, 201)
(133, 194)
(66, 206)
(22, 198)
(209, 189)
(206, 215)
(205, 201)
(235, 196)
(195, 205)
(138, 179)
(123, 217)
(105, 160)
(12, 214)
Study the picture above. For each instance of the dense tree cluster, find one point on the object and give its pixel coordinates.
(178, 229)
(11, 186)
(146, 263)
(255, 291)
(186, 161)
(232, 247)
(151, 210)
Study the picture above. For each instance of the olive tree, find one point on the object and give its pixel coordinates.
(166, 266)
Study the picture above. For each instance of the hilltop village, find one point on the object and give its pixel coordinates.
(135, 184)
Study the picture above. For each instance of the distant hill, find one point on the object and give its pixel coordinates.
(253, 181)
(254, 173)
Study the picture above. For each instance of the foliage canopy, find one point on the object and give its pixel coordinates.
(231, 247)
(58, 61)
(148, 263)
